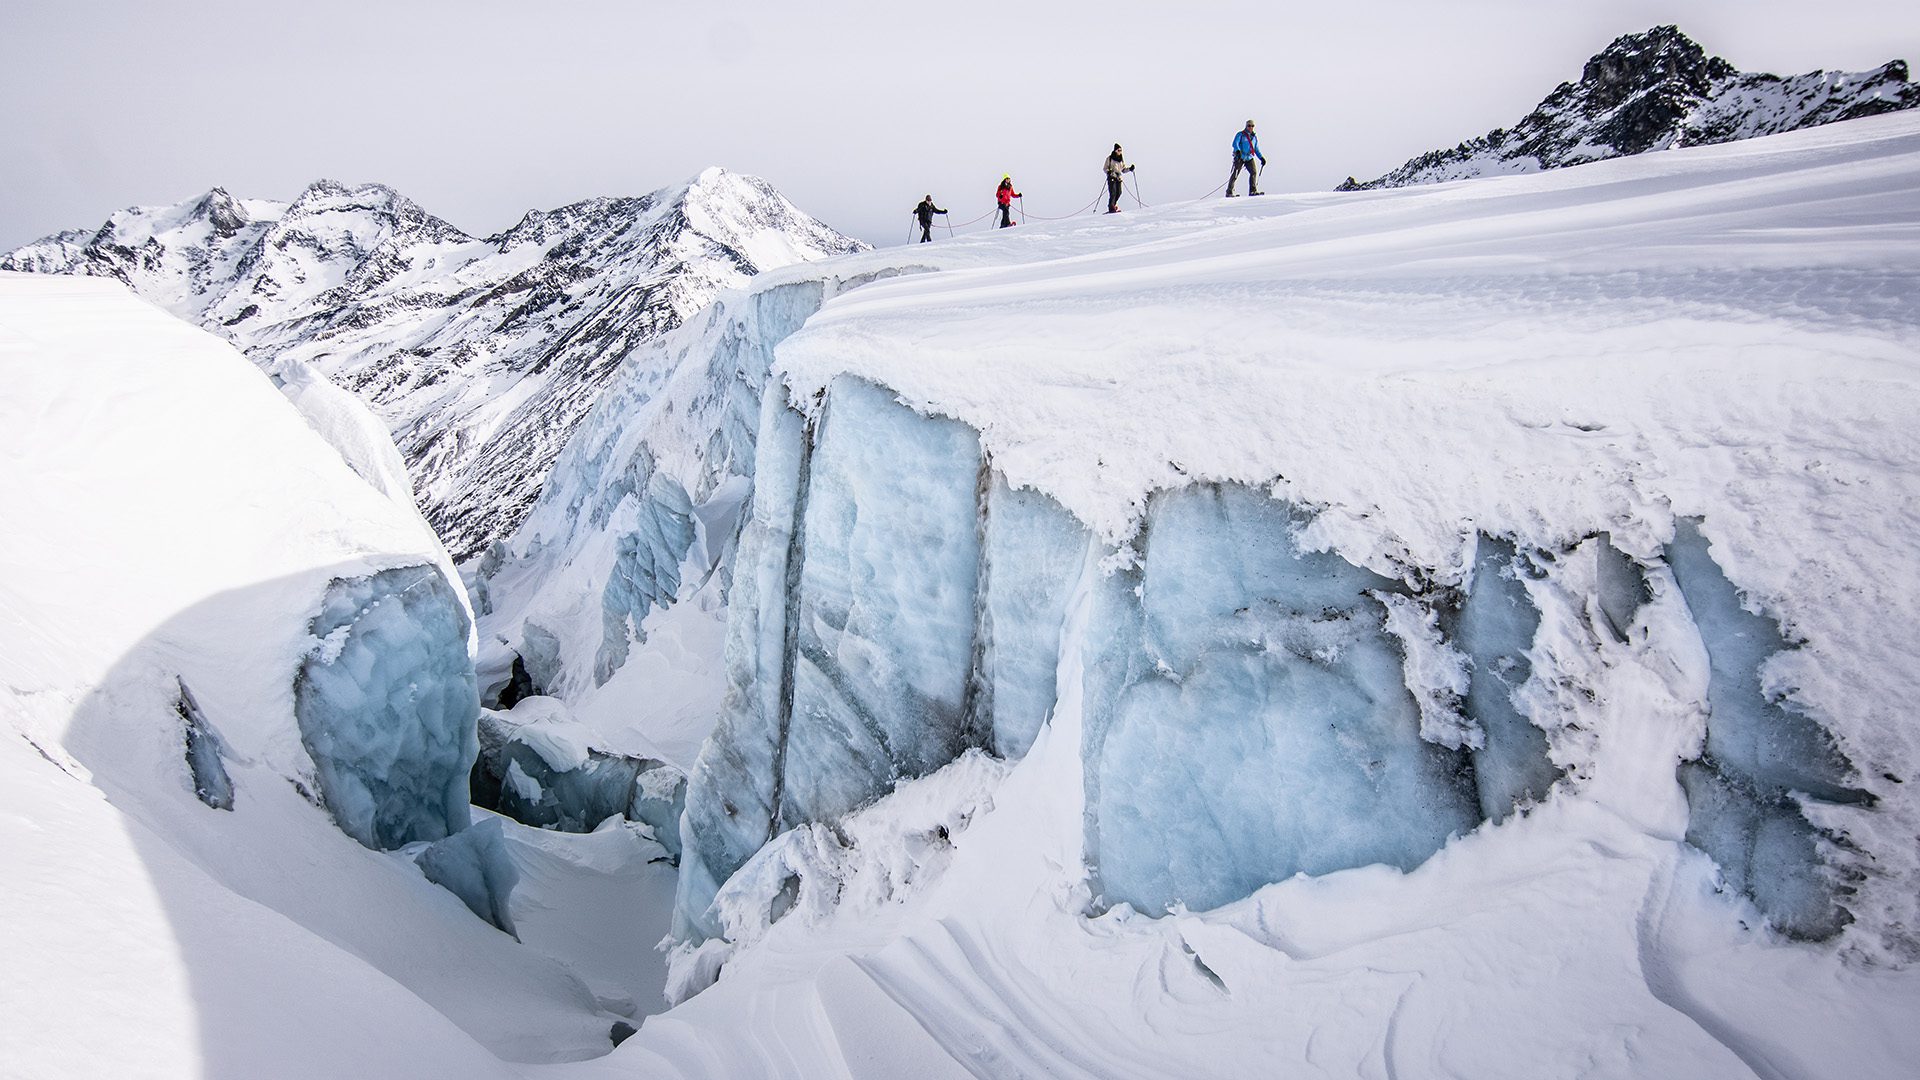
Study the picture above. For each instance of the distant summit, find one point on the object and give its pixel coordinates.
(480, 354)
(1655, 91)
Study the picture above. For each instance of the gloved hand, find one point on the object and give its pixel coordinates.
(1263, 162)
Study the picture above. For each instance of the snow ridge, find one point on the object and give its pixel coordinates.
(481, 355)
(1654, 91)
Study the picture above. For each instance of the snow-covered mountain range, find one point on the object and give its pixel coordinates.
(481, 354)
(1653, 91)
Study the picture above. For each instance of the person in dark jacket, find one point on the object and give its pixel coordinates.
(1246, 147)
(1117, 168)
(925, 212)
(1005, 195)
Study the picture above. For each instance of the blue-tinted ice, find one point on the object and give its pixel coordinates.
(1762, 753)
(1248, 717)
(1495, 628)
(386, 705)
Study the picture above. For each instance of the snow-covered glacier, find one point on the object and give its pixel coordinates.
(1465, 619)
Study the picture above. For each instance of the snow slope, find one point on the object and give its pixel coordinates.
(1631, 441)
(479, 354)
(179, 900)
(1653, 91)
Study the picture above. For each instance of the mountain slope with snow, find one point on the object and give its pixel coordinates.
(481, 354)
(1452, 631)
(1654, 91)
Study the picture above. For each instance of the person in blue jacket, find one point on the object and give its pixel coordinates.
(1246, 147)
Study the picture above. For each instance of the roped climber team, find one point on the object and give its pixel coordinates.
(1246, 151)
(925, 212)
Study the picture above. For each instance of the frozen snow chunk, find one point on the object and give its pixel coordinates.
(1436, 672)
(474, 865)
(1767, 850)
(1765, 740)
(886, 606)
(875, 856)
(206, 754)
(1621, 585)
(1248, 717)
(386, 705)
(1034, 550)
(536, 767)
(1495, 628)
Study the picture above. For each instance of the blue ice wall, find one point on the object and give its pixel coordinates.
(1248, 717)
(1763, 755)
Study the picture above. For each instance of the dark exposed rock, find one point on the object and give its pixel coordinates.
(1653, 91)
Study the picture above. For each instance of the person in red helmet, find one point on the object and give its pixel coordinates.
(1005, 194)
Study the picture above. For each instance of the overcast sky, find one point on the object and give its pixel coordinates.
(482, 109)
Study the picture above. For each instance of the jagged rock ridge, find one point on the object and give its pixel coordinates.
(1654, 91)
(481, 354)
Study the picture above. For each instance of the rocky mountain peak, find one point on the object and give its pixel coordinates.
(1652, 91)
(1635, 63)
(482, 356)
(223, 212)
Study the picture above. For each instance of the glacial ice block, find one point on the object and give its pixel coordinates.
(1247, 714)
(886, 607)
(731, 792)
(1762, 755)
(1495, 628)
(386, 704)
(1034, 549)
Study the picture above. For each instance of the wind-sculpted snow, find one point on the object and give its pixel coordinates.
(1248, 717)
(481, 355)
(387, 706)
(1763, 755)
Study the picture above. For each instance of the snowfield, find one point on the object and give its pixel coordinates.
(1455, 631)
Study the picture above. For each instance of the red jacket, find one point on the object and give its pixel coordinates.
(1005, 193)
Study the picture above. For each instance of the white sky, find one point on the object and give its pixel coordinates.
(482, 109)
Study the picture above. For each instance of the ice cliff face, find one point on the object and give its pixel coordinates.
(1282, 632)
(480, 354)
(1654, 91)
